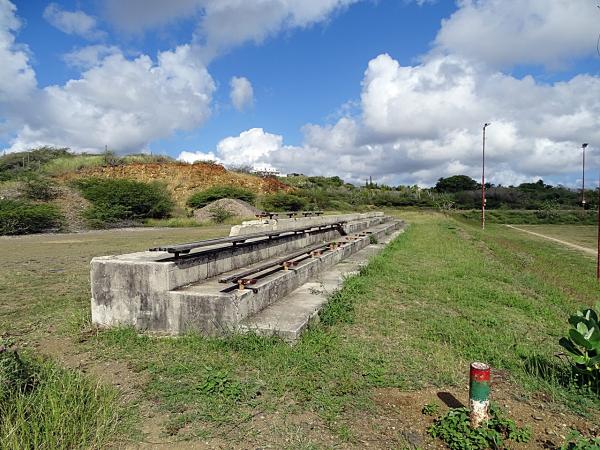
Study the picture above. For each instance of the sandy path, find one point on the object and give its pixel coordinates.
(587, 250)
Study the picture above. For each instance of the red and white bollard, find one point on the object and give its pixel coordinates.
(479, 394)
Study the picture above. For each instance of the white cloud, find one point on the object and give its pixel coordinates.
(504, 33)
(228, 23)
(72, 22)
(421, 122)
(242, 94)
(223, 24)
(135, 16)
(17, 78)
(253, 147)
(122, 103)
(90, 56)
(192, 157)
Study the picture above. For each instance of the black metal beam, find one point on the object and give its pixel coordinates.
(186, 248)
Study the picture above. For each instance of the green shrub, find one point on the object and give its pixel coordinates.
(42, 189)
(203, 198)
(283, 202)
(22, 217)
(575, 441)
(220, 214)
(114, 200)
(583, 345)
(16, 164)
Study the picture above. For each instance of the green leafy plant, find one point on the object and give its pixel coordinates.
(583, 344)
(23, 217)
(203, 198)
(283, 202)
(373, 239)
(115, 200)
(430, 409)
(575, 441)
(219, 382)
(219, 214)
(455, 430)
(42, 189)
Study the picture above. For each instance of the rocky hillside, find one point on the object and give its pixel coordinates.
(181, 179)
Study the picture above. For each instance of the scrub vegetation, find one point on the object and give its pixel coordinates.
(116, 201)
(52, 176)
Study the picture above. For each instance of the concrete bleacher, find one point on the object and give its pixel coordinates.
(271, 284)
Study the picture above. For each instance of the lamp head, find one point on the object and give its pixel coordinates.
(584, 145)
(485, 125)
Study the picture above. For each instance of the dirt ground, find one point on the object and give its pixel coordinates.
(396, 420)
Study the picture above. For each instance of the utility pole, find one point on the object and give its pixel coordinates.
(583, 147)
(485, 125)
(598, 239)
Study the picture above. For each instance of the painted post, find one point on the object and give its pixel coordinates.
(479, 393)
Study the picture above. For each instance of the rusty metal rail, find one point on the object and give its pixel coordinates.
(290, 214)
(182, 249)
(250, 277)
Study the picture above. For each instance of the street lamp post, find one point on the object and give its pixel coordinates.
(483, 179)
(583, 147)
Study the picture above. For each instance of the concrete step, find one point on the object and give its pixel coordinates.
(291, 315)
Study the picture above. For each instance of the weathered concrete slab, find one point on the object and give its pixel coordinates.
(290, 316)
(153, 291)
(265, 225)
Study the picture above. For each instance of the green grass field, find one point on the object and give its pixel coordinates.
(584, 235)
(443, 294)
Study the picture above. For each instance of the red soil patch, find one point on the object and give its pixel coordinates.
(183, 179)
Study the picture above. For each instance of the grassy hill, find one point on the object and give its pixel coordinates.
(33, 181)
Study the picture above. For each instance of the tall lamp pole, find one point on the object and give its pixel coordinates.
(583, 147)
(483, 179)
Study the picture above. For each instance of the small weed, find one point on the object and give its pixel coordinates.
(575, 441)
(373, 239)
(430, 409)
(455, 430)
(219, 382)
(220, 214)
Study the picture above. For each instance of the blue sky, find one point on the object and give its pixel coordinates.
(395, 89)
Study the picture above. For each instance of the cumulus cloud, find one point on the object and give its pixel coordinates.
(72, 22)
(421, 122)
(90, 55)
(223, 24)
(253, 147)
(135, 16)
(504, 33)
(120, 102)
(241, 94)
(17, 78)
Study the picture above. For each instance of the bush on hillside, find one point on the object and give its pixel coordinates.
(283, 202)
(202, 198)
(16, 164)
(23, 217)
(115, 200)
(42, 189)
